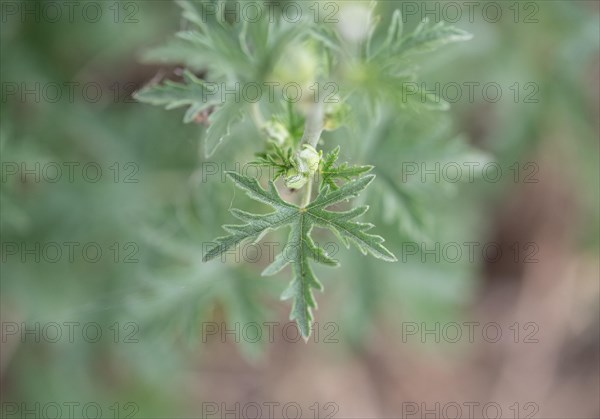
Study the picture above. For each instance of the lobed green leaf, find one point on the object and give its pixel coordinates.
(300, 248)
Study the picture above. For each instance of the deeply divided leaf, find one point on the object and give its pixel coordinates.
(300, 247)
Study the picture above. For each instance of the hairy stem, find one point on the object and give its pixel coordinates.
(307, 193)
(257, 115)
(314, 125)
(313, 129)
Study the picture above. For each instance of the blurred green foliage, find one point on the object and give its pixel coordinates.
(175, 206)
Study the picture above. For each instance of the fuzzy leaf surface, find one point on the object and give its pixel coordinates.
(192, 93)
(300, 248)
(330, 172)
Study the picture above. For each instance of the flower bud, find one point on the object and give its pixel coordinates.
(335, 114)
(308, 160)
(276, 132)
(295, 179)
(298, 64)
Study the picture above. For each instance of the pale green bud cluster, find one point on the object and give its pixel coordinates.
(276, 132)
(307, 163)
(295, 179)
(308, 160)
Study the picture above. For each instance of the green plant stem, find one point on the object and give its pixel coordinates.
(307, 193)
(314, 125)
(313, 129)
(257, 116)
